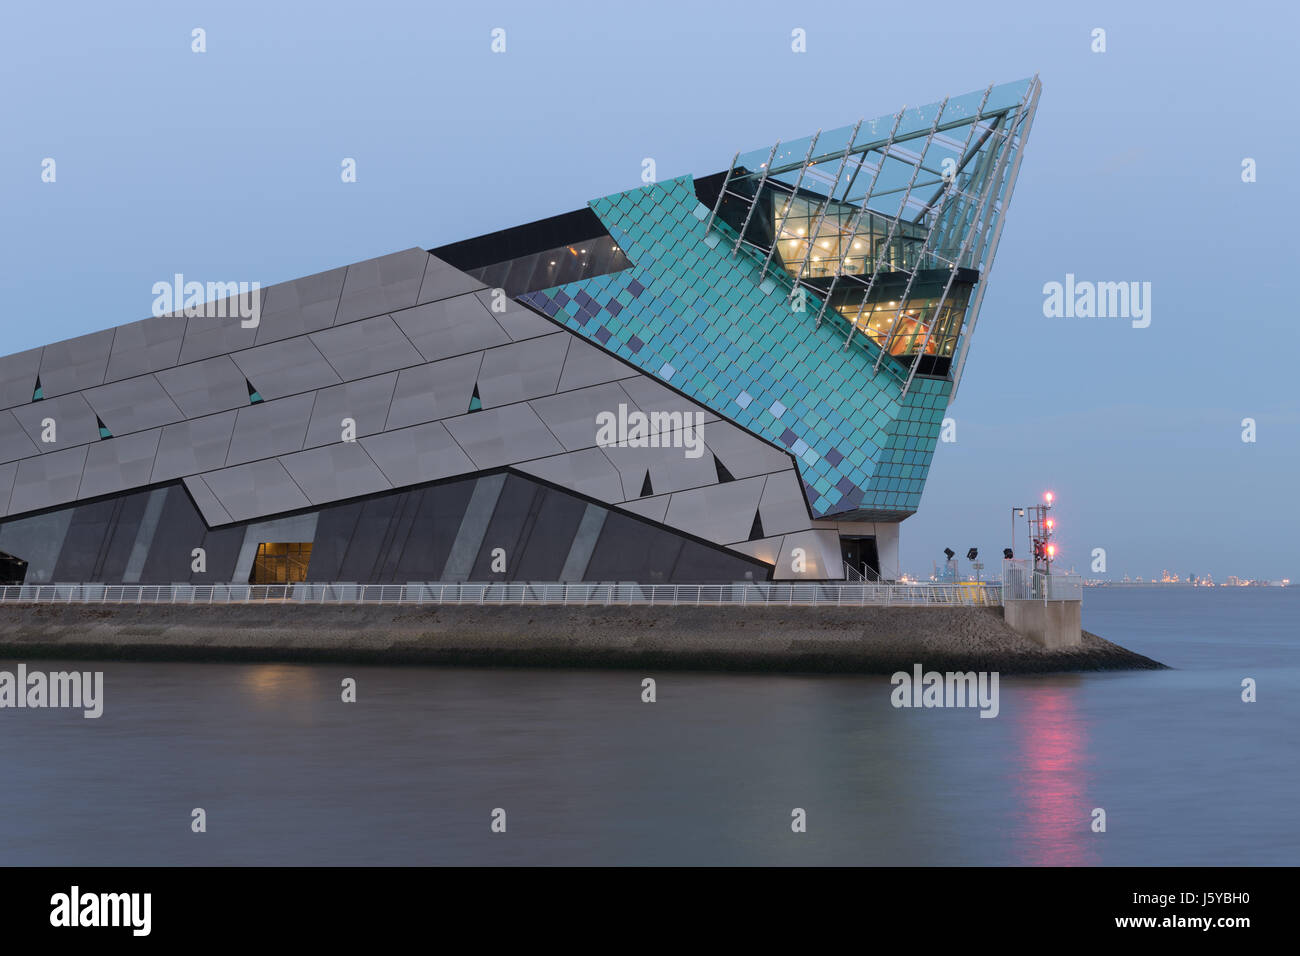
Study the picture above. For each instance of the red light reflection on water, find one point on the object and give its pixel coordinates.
(1051, 781)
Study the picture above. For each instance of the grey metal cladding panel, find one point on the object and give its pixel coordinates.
(765, 549)
(783, 508)
(588, 365)
(338, 471)
(451, 327)
(14, 442)
(425, 452)
(201, 388)
(571, 416)
(47, 480)
(436, 390)
(653, 508)
(443, 280)
(118, 464)
(18, 377)
(722, 514)
(74, 364)
(8, 473)
(650, 396)
(214, 513)
(743, 453)
(520, 322)
(145, 346)
(193, 446)
(515, 373)
(365, 402)
(206, 337)
(74, 422)
(670, 469)
(503, 436)
(303, 305)
(587, 472)
(255, 490)
(285, 368)
(368, 347)
(382, 285)
(133, 404)
(271, 428)
(822, 559)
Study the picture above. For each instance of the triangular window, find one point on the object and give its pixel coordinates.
(723, 474)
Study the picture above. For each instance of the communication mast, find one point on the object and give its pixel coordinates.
(1042, 528)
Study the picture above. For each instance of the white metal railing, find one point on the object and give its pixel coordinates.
(1020, 582)
(742, 594)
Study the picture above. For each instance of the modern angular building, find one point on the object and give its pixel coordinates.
(735, 377)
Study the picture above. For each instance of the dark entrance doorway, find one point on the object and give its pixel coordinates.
(860, 556)
(12, 570)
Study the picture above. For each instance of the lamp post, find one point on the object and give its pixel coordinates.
(1015, 513)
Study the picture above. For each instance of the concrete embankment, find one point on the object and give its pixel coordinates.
(870, 640)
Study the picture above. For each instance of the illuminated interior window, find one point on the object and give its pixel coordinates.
(279, 562)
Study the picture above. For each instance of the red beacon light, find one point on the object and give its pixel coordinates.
(1051, 550)
(1048, 497)
(1051, 524)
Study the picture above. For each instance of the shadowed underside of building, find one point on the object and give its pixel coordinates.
(792, 329)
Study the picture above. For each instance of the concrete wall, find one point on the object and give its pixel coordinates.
(870, 640)
(886, 535)
(1051, 624)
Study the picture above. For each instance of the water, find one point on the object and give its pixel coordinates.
(587, 773)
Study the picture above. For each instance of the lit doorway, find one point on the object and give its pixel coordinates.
(280, 562)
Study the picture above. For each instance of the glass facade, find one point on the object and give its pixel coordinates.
(918, 192)
(847, 240)
(909, 328)
(567, 263)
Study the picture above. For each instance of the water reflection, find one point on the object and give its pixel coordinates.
(1052, 779)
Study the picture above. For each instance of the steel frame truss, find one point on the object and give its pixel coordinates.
(971, 211)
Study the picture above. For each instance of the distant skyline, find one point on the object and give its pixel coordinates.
(226, 165)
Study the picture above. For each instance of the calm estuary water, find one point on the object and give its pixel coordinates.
(587, 773)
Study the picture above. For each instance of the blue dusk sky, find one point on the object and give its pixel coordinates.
(226, 165)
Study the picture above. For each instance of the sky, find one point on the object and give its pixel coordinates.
(227, 163)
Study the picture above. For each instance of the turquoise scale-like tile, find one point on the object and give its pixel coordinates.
(693, 294)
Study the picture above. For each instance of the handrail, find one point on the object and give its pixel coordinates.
(740, 594)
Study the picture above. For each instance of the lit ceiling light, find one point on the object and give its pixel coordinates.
(800, 231)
